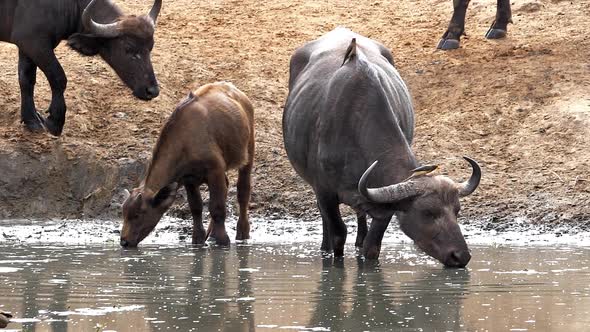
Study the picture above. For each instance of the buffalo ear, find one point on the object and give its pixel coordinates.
(88, 45)
(165, 197)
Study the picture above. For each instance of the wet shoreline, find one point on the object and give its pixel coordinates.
(175, 231)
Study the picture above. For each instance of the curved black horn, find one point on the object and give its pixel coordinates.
(388, 194)
(101, 30)
(468, 187)
(155, 10)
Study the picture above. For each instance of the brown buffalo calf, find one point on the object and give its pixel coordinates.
(209, 133)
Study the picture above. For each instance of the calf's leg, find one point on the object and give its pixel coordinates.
(503, 16)
(195, 203)
(244, 189)
(450, 39)
(217, 198)
(27, 77)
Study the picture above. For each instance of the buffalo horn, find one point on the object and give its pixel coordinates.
(388, 194)
(468, 187)
(109, 30)
(126, 195)
(155, 10)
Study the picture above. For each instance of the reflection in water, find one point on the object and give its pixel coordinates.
(259, 287)
(431, 301)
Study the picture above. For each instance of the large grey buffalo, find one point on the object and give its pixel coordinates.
(498, 29)
(91, 28)
(347, 109)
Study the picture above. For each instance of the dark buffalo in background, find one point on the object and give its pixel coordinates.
(91, 28)
(451, 37)
(347, 108)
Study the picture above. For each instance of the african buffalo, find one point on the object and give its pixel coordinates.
(348, 107)
(451, 37)
(4, 319)
(210, 132)
(90, 27)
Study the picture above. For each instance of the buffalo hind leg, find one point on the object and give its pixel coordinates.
(244, 189)
(27, 77)
(450, 39)
(195, 203)
(332, 222)
(372, 243)
(216, 181)
(44, 57)
(361, 219)
(499, 27)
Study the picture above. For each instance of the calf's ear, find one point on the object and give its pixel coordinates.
(165, 197)
(85, 44)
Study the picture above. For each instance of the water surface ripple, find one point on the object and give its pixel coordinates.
(291, 287)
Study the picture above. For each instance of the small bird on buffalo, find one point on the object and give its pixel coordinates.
(4, 319)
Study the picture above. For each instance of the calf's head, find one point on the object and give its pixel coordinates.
(142, 211)
(125, 45)
(427, 208)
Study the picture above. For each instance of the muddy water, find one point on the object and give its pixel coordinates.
(291, 287)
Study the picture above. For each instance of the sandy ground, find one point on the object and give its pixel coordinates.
(520, 106)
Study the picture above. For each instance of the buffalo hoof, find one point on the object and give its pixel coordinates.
(219, 240)
(35, 125)
(495, 33)
(371, 253)
(54, 127)
(242, 235)
(4, 319)
(448, 44)
(198, 241)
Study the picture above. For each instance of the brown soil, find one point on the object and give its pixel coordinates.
(520, 106)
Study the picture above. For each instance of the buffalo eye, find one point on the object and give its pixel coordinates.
(136, 57)
(430, 214)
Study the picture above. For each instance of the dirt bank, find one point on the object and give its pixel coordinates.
(520, 106)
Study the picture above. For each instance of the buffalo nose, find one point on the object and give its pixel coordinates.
(458, 258)
(152, 91)
(124, 243)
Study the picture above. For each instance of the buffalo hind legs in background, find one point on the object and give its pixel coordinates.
(244, 190)
(451, 37)
(43, 57)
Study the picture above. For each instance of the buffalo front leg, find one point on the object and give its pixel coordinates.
(195, 203)
(332, 222)
(361, 219)
(450, 39)
(44, 58)
(27, 77)
(372, 243)
(217, 196)
(503, 16)
(244, 189)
